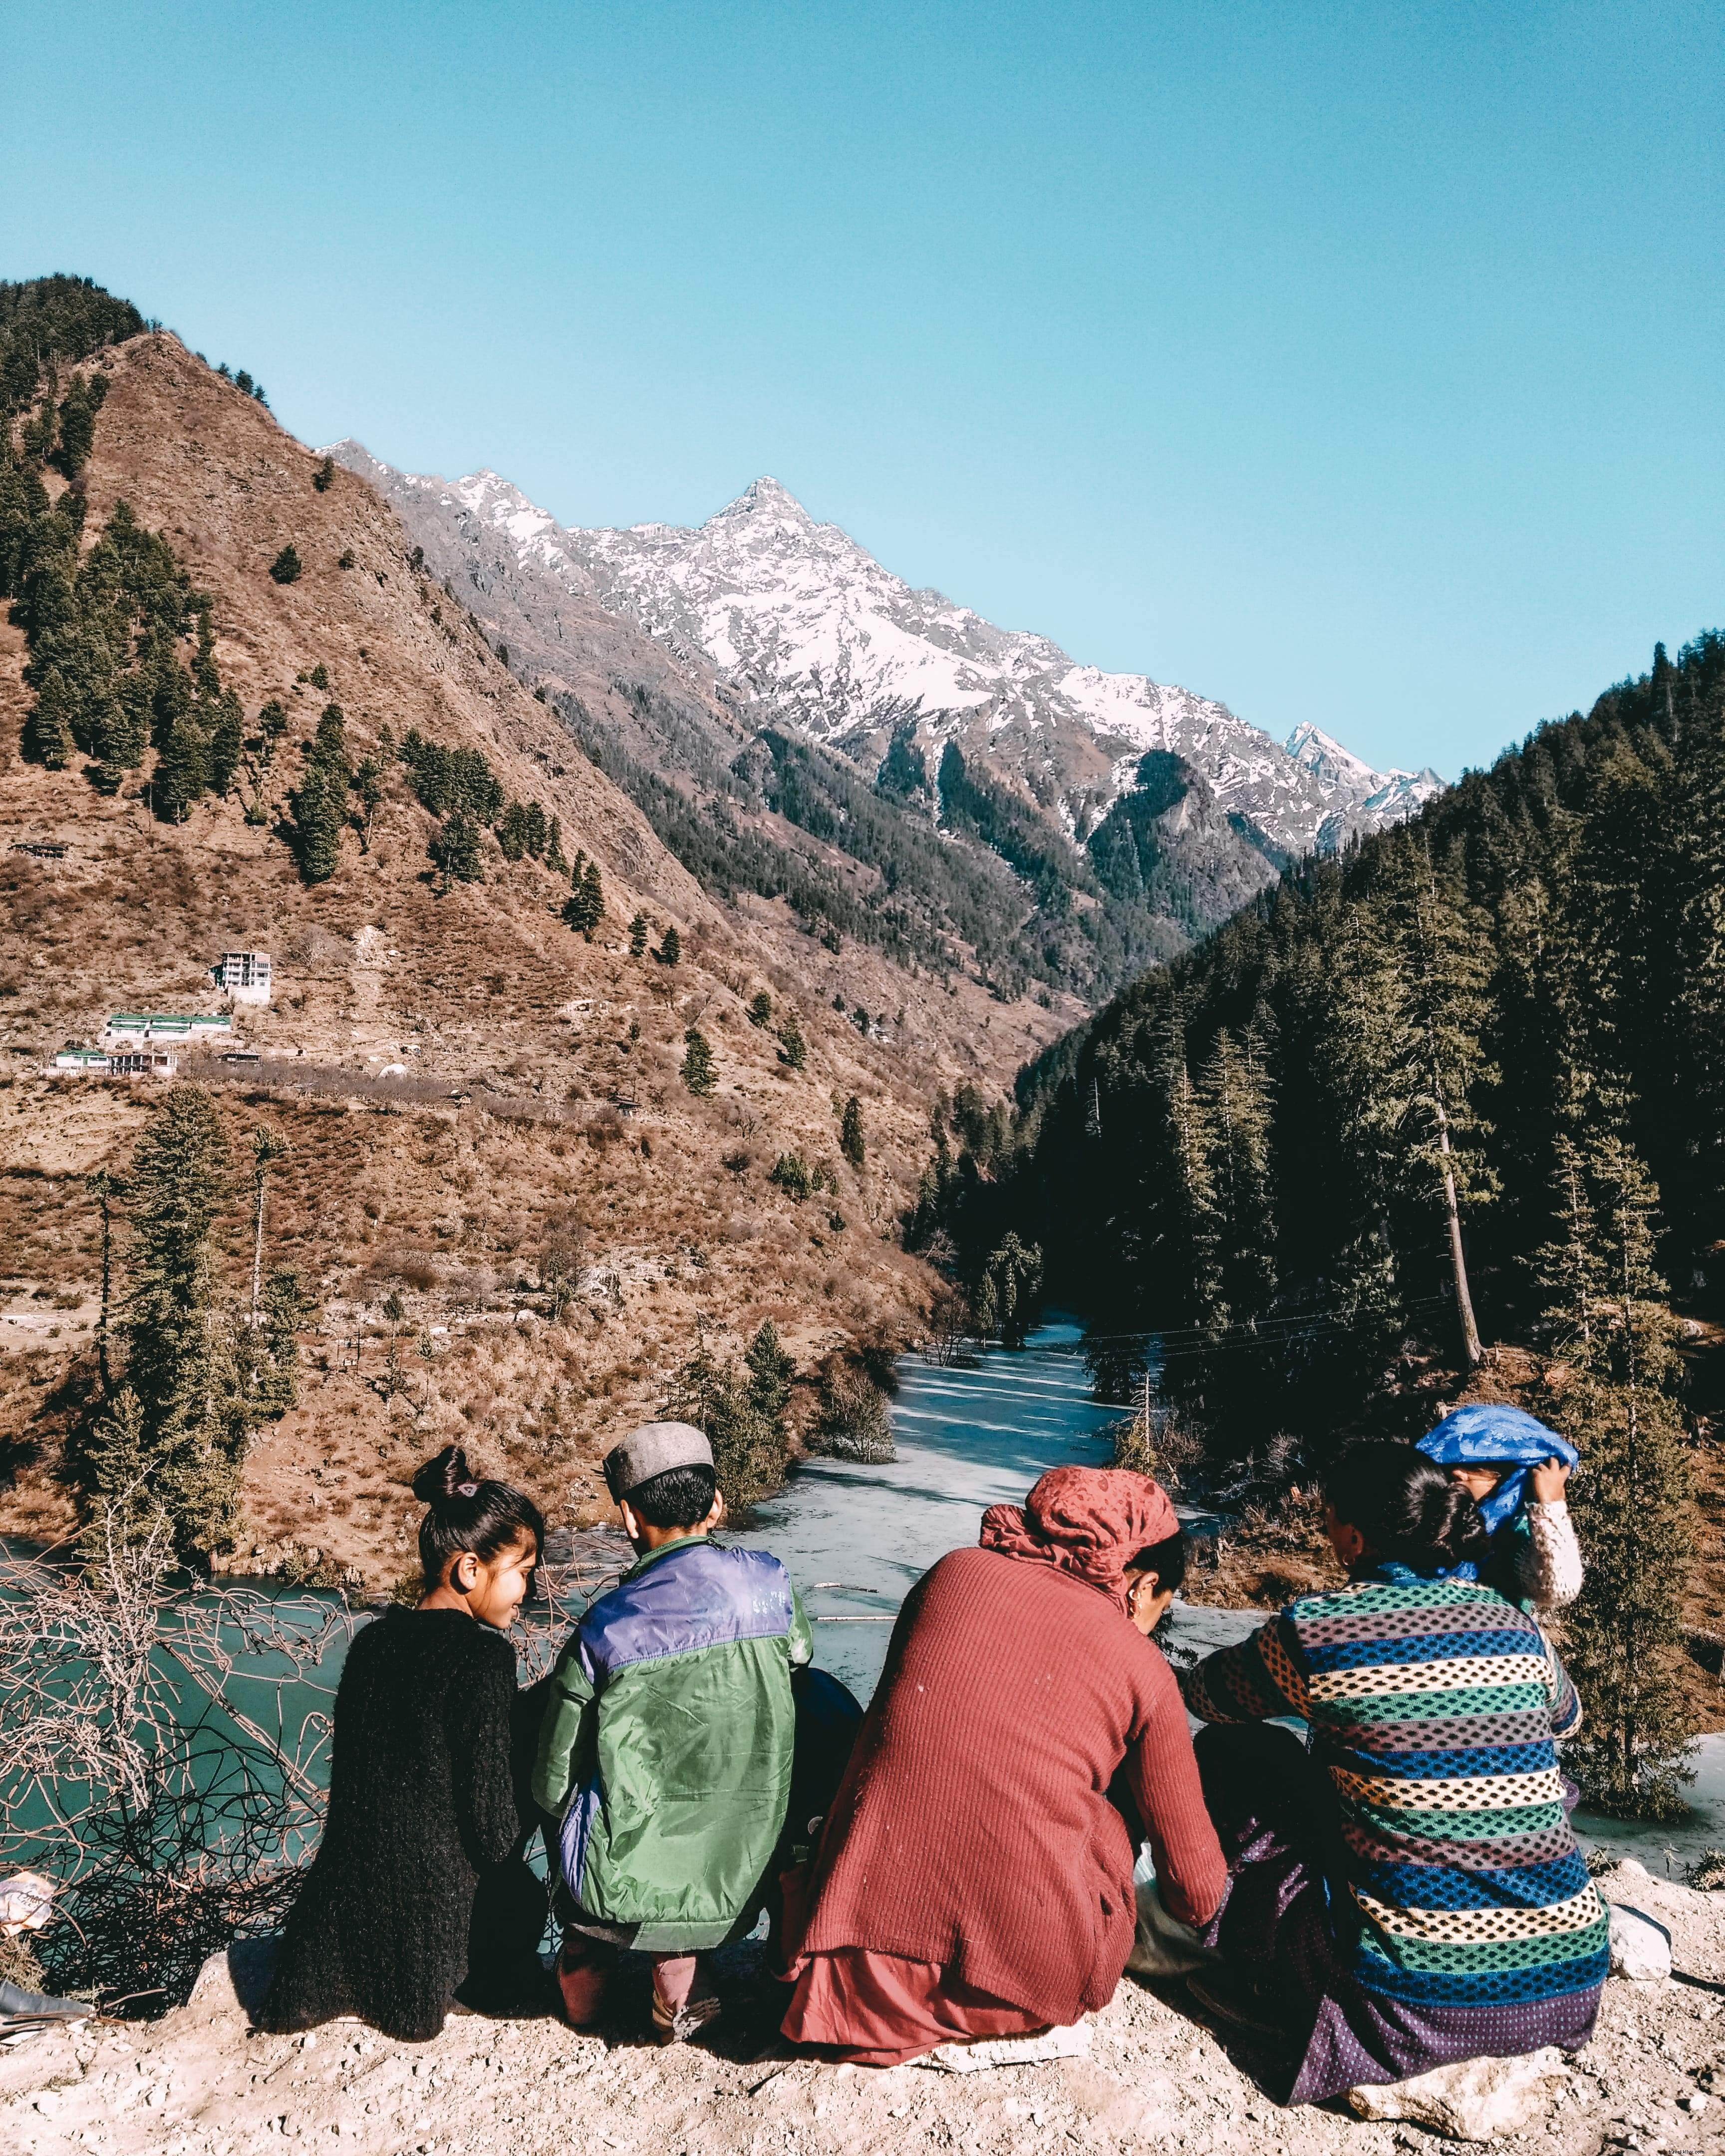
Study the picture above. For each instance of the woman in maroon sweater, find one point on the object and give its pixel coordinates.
(974, 1879)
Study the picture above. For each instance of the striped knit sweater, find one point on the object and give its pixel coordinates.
(1435, 1705)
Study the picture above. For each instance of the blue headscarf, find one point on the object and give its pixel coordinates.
(1490, 1434)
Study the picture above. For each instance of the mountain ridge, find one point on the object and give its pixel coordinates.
(773, 619)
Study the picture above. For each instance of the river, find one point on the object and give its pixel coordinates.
(856, 1538)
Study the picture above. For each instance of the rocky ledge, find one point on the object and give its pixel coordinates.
(198, 2083)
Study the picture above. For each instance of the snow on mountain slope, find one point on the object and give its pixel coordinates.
(802, 624)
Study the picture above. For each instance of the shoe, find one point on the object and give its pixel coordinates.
(676, 2024)
(1239, 2002)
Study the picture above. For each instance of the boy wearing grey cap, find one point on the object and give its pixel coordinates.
(666, 1747)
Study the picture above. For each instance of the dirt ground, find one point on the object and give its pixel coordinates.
(197, 2084)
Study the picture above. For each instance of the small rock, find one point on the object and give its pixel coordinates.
(1640, 1947)
(48, 2103)
(1693, 2101)
(1474, 2100)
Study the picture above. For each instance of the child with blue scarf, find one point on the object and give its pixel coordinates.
(1516, 1471)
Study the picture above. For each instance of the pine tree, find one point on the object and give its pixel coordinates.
(187, 1438)
(48, 737)
(1010, 1290)
(554, 849)
(227, 739)
(77, 422)
(275, 1384)
(368, 788)
(760, 1009)
(287, 567)
(455, 847)
(637, 932)
(1409, 1021)
(793, 1049)
(850, 1133)
(1623, 1635)
(272, 725)
(748, 1452)
(324, 478)
(671, 947)
(699, 1075)
(1191, 1237)
(771, 1372)
(319, 810)
(182, 771)
(1234, 1095)
(584, 909)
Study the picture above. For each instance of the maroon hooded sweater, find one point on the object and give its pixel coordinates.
(974, 1829)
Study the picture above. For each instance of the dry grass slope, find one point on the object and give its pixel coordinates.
(441, 1207)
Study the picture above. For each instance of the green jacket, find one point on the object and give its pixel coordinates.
(667, 1744)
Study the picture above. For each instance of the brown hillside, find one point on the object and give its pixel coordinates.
(390, 1187)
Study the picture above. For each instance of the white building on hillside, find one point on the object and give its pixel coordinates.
(166, 1027)
(244, 975)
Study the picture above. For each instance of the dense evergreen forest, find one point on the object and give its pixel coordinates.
(1480, 999)
(1464, 1085)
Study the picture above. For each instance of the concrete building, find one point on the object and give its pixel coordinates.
(86, 1062)
(165, 1027)
(244, 975)
(142, 1063)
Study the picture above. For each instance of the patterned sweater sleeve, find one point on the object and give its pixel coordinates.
(1549, 1561)
(1258, 1678)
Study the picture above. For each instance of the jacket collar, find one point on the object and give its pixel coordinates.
(665, 1549)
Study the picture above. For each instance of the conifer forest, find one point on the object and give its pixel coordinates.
(1464, 1085)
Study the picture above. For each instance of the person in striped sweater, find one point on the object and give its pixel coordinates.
(1406, 1889)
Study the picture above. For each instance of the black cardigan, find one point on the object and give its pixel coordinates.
(422, 1806)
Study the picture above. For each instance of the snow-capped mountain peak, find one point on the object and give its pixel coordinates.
(811, 632)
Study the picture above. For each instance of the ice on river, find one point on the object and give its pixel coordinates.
(857, 1538)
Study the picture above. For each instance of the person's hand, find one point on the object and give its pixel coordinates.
(1549, 1482)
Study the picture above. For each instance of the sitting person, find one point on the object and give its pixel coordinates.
(424, 1828)
(1407, 1891)
(667, 1748)
(1517, 1472)
(973, 1880)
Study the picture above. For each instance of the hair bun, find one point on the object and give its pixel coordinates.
(1452, 1522)
(440, 1481)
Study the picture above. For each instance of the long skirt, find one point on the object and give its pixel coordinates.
(1284, 1921)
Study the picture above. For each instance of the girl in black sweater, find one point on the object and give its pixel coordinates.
(423, 1821)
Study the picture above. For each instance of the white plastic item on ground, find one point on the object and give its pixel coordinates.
(1163, 1946)
(978, 2058)
(1474, 2100)
(26, 1903)
(1640, 1946)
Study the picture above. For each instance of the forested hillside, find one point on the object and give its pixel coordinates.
(550, 1133)
(1531, 974)
(1464, 1086)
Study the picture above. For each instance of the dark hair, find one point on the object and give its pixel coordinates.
(1167, 1559)
(464, 1512)
(1406, 1507)
(680, 1497)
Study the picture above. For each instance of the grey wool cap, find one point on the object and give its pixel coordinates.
(652, 1449)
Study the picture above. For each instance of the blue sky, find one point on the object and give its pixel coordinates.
(1352, 363)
